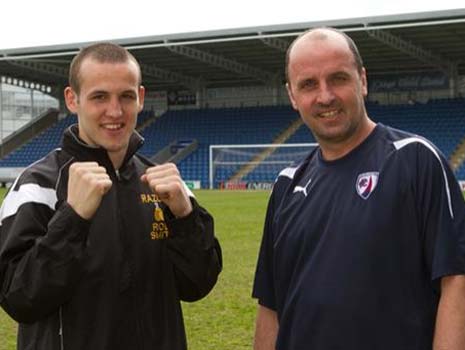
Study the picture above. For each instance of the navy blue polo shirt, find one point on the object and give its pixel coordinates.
(353, 249)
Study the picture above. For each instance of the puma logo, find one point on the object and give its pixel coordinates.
(302, 189)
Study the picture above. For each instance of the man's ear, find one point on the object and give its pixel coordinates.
(291, 96)
(363, 77)
(141, 97)
(71, 99)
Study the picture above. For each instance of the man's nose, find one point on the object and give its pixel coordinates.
(114, 108)
(325, 94)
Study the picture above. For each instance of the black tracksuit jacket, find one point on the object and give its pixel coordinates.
(113, 282)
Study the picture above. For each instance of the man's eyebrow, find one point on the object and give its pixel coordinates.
(129, 91)
(340, 72)
(98, 92)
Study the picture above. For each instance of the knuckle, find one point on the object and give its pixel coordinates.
(177, 180)
(74, 168)
(173, 167)
(87, 176)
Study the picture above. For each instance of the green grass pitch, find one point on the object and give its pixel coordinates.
(225, 318)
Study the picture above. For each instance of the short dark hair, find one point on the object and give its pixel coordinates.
(102, 53)
(353, 48)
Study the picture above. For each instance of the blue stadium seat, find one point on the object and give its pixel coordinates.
(441, 121)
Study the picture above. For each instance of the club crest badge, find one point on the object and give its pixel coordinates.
(366, 183)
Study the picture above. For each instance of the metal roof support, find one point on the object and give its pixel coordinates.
(276, 85)
(1, 112)
(189, 82)
(58, 93)
(200, 97)
(42, 67)
(275, 43)
(453, 81)
(411, 49)
(46, 68)
(221, 62)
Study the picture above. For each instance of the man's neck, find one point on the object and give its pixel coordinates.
(116, 159)
(332, 151)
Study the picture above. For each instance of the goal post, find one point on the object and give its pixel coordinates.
(252, 165)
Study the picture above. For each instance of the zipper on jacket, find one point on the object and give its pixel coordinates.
(60, 331)
(122, 228)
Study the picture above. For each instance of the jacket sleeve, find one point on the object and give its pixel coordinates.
(194, 252)
(40, 254)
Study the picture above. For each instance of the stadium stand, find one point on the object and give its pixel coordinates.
(39, 146)
(46, 141)
(215, 126)
(441, 121)
(460, 172)
(410, 57)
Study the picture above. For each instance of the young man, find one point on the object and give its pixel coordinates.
(97, 246)
(363, 245)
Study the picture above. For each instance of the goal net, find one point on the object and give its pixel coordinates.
(253, 166)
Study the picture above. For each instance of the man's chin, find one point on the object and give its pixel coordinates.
(112, 148)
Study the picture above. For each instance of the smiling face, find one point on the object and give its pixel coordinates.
(328, 91)
(109, 99)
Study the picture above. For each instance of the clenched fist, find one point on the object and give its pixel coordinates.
(165, 181)
(87, 184)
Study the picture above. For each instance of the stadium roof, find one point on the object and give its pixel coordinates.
(393, 44)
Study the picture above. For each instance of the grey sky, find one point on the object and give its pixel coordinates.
(49, 22)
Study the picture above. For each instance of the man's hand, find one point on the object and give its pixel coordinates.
(165, 181)
(87, 184)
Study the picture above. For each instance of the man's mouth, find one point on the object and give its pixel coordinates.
(329, 114)
(113, 127)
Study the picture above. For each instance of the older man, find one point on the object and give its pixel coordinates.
(364, 241)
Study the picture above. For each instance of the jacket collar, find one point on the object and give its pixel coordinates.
(81, 151)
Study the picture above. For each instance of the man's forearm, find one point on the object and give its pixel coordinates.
(266, 329)
(450, 321)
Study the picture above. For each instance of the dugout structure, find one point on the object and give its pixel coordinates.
(252, 166)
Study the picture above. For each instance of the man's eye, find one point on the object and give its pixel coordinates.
(340, 78)
(308, 84)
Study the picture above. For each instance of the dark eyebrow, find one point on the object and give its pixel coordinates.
(132, 92)
(98, 92)
(340, 73)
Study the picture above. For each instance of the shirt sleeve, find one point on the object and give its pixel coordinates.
(441, 210)
(264, 288)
